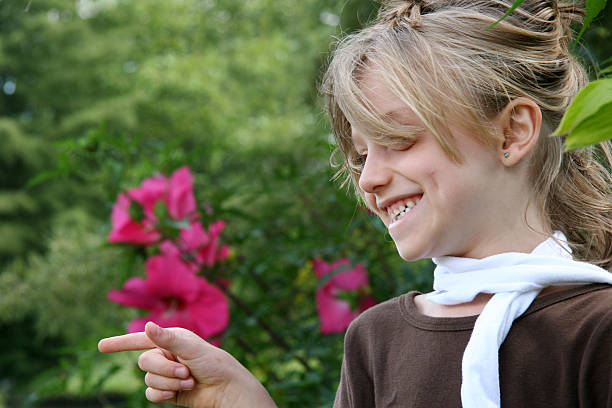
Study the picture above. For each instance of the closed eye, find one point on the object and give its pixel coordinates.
(401, 143)
(404, 145)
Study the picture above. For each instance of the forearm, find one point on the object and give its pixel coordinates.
(255, 396)
(251, 392)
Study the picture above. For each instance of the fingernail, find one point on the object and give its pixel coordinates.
(186, 384)
(181, 372)
(153, 328)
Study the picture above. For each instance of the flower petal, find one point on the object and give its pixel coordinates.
(180, 200)
(135, 293)
(209, 254)
(125, 229)
(322, 268)
(194, 237)
(351, 279)
(167, 247)
(366, 303)
(152, 190)
(134, 233)
(335, 315)
(210, 310)
(223, 253)
(216, 227)
(169, 276)
(138, 324)
(207, 315)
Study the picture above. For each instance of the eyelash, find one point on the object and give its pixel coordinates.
(403, 144)
(358, 161)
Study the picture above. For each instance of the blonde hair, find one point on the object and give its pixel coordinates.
(431, 51)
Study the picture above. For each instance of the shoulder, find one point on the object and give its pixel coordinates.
(377, 314)
(383, 317)
(576, 316)
(562, 343)
(366, 330)
(592, 301)
(594, 311)
(594, 329)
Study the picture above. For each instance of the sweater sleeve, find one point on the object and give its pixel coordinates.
(356, 388)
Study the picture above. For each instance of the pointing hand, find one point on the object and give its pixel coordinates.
(186, 370)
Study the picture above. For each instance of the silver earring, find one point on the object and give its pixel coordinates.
(506, 155)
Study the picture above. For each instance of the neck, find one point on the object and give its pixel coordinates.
(514, 231)
(473, 308)
(513, 241)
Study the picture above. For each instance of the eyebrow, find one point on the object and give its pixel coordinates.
(400, 116)
(400, 113)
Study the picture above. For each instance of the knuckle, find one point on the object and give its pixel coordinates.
(183, 331)
(164, 337)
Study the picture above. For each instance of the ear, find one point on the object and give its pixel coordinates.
(520, 121)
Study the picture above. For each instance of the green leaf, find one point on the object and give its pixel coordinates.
(136, 211)
(177, 224)
(605, 72)
(43, 176)
(588, 101)
(160, 210)
(350, 296)
(593, 8)
(595, 129)
(606, 61)
(510, 10)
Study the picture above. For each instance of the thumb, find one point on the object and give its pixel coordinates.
(182, 342)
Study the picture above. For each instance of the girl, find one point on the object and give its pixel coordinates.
(442, 126)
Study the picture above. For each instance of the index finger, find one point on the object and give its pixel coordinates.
(126, 342)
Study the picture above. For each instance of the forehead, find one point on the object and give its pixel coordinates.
(383, 103)
(379, 95)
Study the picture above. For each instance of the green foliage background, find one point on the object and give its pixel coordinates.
(97, 95)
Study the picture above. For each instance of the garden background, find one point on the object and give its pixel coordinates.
(98, 95)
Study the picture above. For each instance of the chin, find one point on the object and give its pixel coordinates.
(409, 254)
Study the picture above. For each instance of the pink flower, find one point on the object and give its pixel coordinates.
(151, 191)
(209, 251)
(176, 193)
(125, 229)
(197, 244)
(335, 312)
(180, 199)
(175, 297)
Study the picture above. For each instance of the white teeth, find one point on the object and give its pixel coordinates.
(401, 210)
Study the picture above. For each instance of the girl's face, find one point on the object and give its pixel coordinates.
(431, 205)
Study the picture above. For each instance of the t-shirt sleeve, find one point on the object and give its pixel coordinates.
(595, 379)
(356, 388)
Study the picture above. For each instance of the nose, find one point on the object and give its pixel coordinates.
(375, 174)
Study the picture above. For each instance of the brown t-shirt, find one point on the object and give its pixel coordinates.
(557, 354)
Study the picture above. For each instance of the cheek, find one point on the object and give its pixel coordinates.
(432, 176)
(370, 201)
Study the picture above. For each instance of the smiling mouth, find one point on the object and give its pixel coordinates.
(402, 207)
